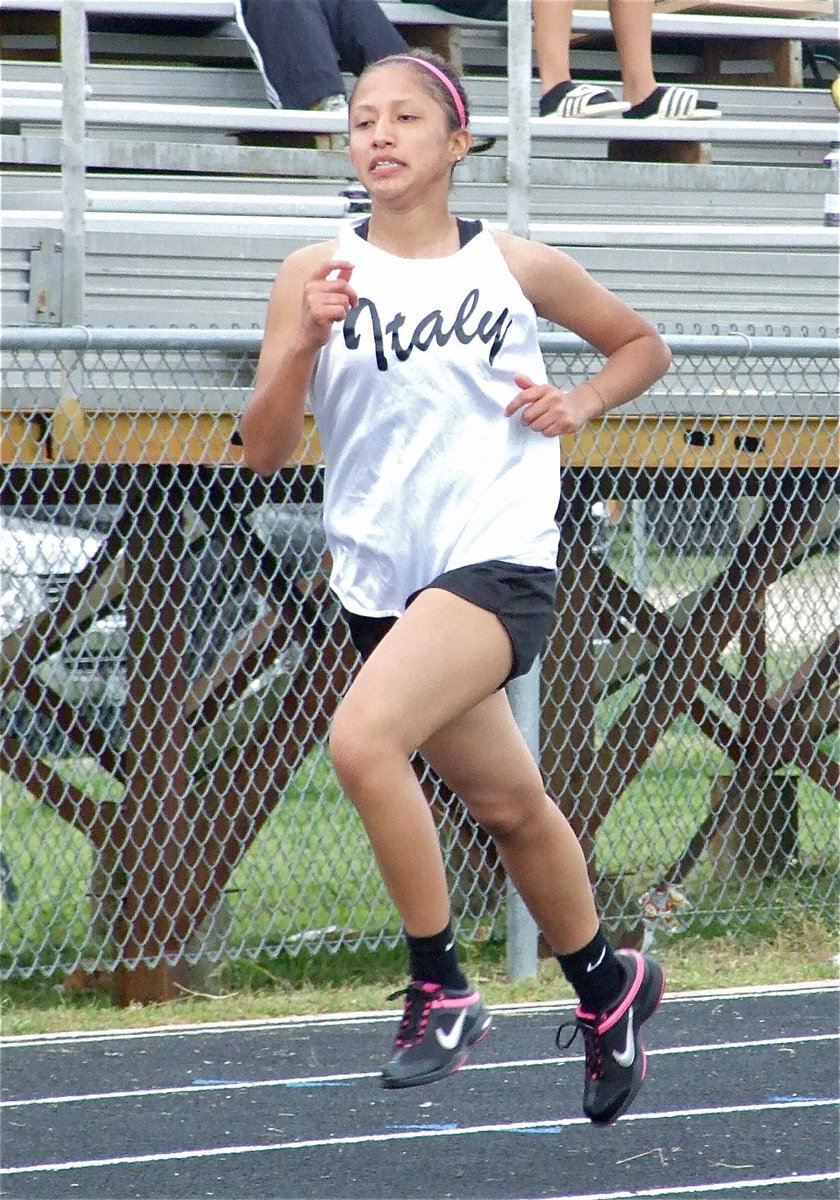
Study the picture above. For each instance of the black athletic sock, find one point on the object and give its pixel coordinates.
(551, 100)
(646, 107)
(595, 973)
(649, 107)
(435, 960)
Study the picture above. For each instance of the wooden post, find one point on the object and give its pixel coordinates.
(159, 892)
(630, 150)
(761, 837)
(778, 62)
(24, 25)
(443, 39)
(568, 706)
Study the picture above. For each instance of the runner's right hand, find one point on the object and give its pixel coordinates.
(325, 301)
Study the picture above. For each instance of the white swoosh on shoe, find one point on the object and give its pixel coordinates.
(450, 1040)
(627, 1056)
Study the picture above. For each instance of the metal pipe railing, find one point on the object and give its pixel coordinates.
(83, 337)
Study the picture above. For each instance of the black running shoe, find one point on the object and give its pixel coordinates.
(615, 1057)
(436, 1032)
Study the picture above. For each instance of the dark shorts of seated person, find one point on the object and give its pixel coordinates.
(521, 597)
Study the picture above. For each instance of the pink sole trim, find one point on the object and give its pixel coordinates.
(632, 993)
(456, 1001)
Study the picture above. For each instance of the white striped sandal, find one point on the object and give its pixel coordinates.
(570, 101)
(673, 104)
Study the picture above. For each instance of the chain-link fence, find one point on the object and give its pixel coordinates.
(172, 658)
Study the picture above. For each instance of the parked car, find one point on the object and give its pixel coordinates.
(41, 552)
(38, 557)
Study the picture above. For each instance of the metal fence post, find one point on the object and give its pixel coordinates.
(519, 110)
(73, 62)
(524, 693)
(522, 932)
(68, 421)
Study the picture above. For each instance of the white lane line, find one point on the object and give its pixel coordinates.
(194, 1089)
(366, 1139)
(267, 1024)
(703, 1189)
(300, 1081)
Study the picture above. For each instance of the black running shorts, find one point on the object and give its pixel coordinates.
(521, 597)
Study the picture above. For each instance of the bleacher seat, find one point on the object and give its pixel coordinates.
(187, 270)
(239, 172)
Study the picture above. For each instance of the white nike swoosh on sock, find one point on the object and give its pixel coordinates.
(627, 1056)
(450, 1040)
(597, 962)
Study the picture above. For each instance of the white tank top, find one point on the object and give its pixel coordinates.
(424, 472)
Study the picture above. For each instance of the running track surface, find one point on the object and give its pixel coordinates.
(740, 1103)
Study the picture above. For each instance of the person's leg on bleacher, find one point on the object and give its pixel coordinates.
(561, 97)
(302, 46)
(633, 31)
(644, 99)
(361, 33)
(291, 44)
(632, 22)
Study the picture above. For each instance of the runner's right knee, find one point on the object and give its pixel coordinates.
(362, 748)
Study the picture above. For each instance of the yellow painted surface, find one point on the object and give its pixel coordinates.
(620, 441)
(704, 443)
(21, 440)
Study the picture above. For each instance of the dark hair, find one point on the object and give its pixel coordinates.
(428, 81)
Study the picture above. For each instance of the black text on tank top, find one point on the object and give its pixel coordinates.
(490, 328)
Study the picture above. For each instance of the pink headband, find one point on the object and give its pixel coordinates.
(450, 86)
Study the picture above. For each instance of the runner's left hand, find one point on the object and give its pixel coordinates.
(549, 410)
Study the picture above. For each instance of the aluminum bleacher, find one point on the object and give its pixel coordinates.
(585, 190)
(183, 269)
(31, 99)
(205, 30)
(191, 205)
